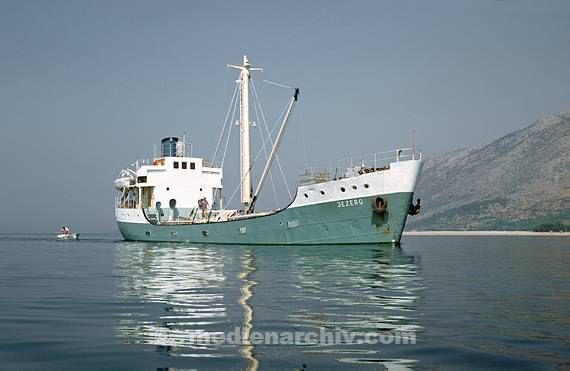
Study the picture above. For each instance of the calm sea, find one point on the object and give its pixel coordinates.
(433, 303)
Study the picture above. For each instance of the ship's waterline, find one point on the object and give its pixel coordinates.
(347, 221)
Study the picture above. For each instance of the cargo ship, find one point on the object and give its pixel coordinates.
(177, 197)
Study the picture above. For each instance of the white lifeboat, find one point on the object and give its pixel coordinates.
(126, 178)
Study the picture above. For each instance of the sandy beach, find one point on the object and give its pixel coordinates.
(486, 233)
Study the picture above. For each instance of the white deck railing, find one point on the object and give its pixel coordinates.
(358, 165)
(123, 203)
(146, 161)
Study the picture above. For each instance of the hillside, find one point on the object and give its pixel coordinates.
(520, 181)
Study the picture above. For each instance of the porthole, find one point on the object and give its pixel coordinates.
(323, 193)
(354, 187)
(306, 195)
(342, 189)
(168, 188)
(366, 186)
(200, 189)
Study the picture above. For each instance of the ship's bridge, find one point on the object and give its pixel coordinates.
(171, 180)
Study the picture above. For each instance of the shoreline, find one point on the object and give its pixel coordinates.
(486, 233)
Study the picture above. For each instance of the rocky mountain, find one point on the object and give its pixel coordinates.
(520, 181)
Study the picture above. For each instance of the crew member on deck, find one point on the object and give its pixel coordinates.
(204, 206)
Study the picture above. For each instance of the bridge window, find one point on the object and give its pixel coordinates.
(192, 166)
(176, 164)
(184, 165)
(141, 179)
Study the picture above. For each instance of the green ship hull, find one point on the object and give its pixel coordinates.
(350, 221)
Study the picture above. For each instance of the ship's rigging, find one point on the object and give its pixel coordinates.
(242, 91)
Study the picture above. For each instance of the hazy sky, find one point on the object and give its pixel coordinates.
(87, 87)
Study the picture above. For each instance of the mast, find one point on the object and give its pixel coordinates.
(245, 161)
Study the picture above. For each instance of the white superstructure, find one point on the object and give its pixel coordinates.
(170, 181)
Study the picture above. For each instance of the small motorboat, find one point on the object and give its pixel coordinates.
(65, 234)
(68, 236)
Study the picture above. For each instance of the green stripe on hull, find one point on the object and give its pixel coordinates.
(351, 221)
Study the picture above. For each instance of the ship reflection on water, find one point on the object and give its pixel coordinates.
(176, 295)
(361, 290)
(180, 300)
